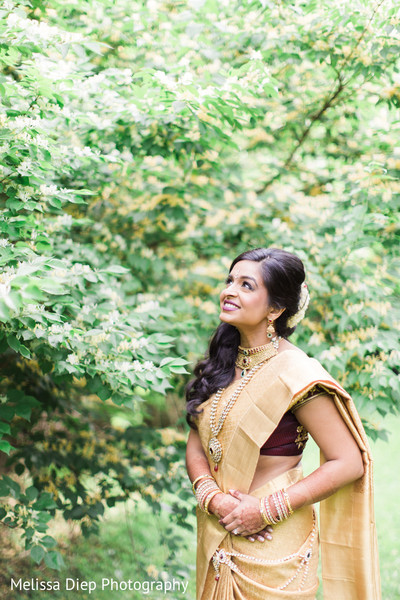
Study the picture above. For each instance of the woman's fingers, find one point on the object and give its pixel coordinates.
(228, 520)
(265, 534)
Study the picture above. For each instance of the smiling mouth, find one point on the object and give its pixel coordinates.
(227, 305)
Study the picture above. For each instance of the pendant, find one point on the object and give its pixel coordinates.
(215, 451)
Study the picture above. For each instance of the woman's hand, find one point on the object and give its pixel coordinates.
(245, 519)
(223, 505)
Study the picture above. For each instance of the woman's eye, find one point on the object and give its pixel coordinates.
(228, 281)
(248, 285)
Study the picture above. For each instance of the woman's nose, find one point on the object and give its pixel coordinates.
(230, 290)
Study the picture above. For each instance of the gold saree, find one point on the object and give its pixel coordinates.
(286, 567)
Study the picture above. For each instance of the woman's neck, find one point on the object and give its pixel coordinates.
(253, 340)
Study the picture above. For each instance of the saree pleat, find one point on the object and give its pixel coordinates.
(286, 567)
(256, 570)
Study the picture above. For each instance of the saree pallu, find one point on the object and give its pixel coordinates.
(285, 568)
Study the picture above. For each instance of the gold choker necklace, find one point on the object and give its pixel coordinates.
(248, 358)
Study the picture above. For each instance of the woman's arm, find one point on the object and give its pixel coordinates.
(343, 465)
(342, 454)
(222, 504)
(196, 465)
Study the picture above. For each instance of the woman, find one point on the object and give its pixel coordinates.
(251, 405)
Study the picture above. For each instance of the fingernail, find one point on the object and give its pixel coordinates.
(261, 539)
(251, 539)
(269, 537)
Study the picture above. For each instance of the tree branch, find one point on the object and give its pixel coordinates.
(327, 104)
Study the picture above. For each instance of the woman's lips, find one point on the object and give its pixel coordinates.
(228, 305)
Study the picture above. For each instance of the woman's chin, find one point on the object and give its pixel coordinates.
(227, 317)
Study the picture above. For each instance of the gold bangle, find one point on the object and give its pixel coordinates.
(209, 498)
(288, 504)
(198, 479)
(263, 513)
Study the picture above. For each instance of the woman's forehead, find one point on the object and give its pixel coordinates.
(246, 268)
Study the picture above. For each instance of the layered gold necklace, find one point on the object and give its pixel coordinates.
(248, 358)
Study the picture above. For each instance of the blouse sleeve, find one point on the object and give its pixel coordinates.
(316, 391)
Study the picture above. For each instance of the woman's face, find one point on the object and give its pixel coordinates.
(244, 301)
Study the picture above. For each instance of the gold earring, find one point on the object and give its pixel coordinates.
(270, 329)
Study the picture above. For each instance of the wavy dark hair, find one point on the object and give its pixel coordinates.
(282, 273)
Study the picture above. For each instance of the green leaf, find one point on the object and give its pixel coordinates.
(37, 554)
(5, 447)
(44, 502)
(4, 489)
(54, 560)
(115, 269)
(4, 427)
(13, 342)
(48, 541)
(32, 493)
(14, 488)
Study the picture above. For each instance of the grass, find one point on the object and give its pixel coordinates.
(129, 538)
(128, 543)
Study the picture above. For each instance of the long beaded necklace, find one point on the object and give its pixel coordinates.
(214, 445)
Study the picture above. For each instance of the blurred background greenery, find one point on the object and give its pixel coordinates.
(143, 145)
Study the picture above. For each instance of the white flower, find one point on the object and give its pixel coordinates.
(42, 142)
(255, 55)
(24, 135)
(12, 19)
(4, 243)
(88, 308)
(148, 365)
(148, 306)
(303, 305)
(123, 366)
(86, 151)
(26, 122)
(137, 366)
(71, 36)
(316, 339)
(165, 79)
(79, 268)
(73, 359)
(65, 220)
(4, 290)
(8, 5)
(25, 167)
(332, 353)
(48, 190)
(123, 346)
(186, 79)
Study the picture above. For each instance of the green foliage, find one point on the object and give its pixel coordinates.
(143, 146)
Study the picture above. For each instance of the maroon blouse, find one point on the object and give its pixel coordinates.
(288, 439)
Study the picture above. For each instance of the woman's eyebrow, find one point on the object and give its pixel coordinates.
(243, 277)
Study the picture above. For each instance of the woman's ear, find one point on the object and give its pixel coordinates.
(275, 313)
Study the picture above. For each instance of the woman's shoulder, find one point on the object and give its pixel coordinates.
(298, 371)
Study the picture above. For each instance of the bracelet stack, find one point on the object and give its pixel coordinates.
(205, 491)
(275, 508)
